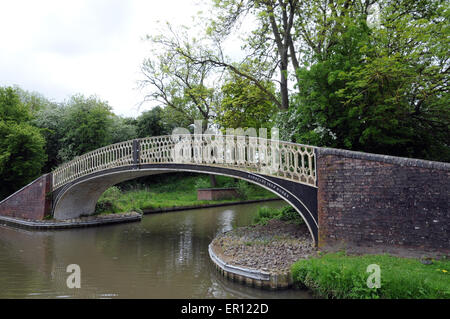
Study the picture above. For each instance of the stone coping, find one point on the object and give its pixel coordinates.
(217, 189)
(251, 277)
(402, 161)
(177, 208)
(72, 223)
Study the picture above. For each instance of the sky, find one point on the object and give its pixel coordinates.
(93, 47)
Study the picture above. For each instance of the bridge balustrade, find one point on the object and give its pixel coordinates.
(291, 161)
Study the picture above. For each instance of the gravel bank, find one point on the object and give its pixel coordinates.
(272, 248)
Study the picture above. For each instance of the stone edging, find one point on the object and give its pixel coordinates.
(251, 277)
(403, 161)
(17, 222)
(177, 208)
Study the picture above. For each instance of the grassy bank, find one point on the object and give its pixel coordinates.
(171, 190)
(338, 275)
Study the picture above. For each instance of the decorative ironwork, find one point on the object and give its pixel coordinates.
(291, 161)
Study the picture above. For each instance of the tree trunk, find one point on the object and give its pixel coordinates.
(284, 81)
(212, 179)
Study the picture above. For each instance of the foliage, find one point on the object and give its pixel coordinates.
(34, 101)
(264, 214)
(11, 108)
(243, 189)
(50, 120)
(21, 145)
(106, 203)
(289, 214)
(122, 129)
(244, 105)
(175, 81)
(151, 123)
(381, 89)
(167, 190)
(270, 41)
(286, 214)
(340, 276)
(202, 183)
(85, 126)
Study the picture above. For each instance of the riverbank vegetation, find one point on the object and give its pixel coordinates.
(286, 214)
(171, 190)
(337, 275)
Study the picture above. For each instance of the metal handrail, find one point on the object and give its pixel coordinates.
(253, 154)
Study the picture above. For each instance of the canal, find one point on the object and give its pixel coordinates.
(163, 256)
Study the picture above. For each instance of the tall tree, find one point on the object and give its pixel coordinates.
(173, 80)
(51, 120)
(150, 123)
(244, 104)
(21, 145)
(381, 90)
(287, 33)
(122, 129)
(86, 126)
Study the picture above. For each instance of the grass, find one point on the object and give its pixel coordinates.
(337, 275)
(286, 213)
(169, 191)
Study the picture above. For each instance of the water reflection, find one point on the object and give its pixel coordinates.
(226, 220)
(163, 256)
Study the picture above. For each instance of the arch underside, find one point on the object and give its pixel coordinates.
(80, 196)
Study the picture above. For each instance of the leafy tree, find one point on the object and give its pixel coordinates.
(122, 129)
(21, 145)
(171, 120)
(318, 115)
(381, 90)
(34, 101)
(245, 105)
(287, 34)
(150, 123)
(177, 82)
(51, 120)
(269, 42)
(86, 126)
(11, 108)
(405, 75)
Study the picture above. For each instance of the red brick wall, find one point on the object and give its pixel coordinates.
(30, 202)
(368, 200)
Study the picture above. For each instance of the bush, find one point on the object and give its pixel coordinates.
(243, 189)
(289, 214)
(264, 214)
(107, 202)
(202, 183)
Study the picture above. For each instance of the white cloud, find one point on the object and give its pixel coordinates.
(60, 48)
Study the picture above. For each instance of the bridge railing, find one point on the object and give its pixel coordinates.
(111, 156)
(253, 154)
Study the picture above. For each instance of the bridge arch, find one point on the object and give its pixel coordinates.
(80, 196)
(284, 168)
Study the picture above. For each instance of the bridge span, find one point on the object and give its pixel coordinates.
(344, 197)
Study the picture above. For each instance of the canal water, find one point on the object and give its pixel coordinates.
(163, 256)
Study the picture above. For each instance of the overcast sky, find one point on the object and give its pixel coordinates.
(59, 48)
